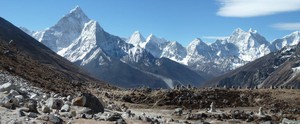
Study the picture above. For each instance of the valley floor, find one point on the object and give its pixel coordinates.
(144, 105)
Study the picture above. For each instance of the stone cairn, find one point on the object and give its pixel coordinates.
(212, 107)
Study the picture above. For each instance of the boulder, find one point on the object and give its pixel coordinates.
(69, 98)
(21, 113)
(73, 113)
(287, 121)
(89, 101)
(178, 111)
(9, 101)
(108, 116)
(32, 115)
(79, 101)
(65, 108)
(32, 106)
(114, 107)
(55, 120)
(20, 98)
(45, 96)
(45, 109)
(7, 87)
(14, 92)
(54, 103)
(82, 110)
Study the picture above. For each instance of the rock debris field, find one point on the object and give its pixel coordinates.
(22, 103)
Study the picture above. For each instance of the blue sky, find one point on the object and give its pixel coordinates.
(175, 20)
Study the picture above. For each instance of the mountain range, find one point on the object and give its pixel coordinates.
(83, 41)
(152, 61)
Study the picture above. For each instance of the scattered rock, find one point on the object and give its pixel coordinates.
(107, 116)
(178, 111)
(146, 119)
(7, 87)
(121, 121)
(32, 115)
(20, 98)
(45, 109)
(54, 103)
(21, 113)
(79, 101)
(73, 113)
(32, 106)
(43, 117)
(45, 96)
(14, 92)
(65, 108)
(93, 103)
(287, 121)
(9, 101)
(69, 98)
(55, 120)
(114, 107)
(260, 111)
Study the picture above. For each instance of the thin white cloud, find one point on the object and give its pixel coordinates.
(214, 37)
(252, 8)
(287, 26)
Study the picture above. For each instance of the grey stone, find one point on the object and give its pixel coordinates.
(55, 120)
(54, 103)
(65, 108)
(73, 113)
(7, 87)
(178, 111)
(287, 121)
(45, 96)
(81, 110)
(107, 116)
(14, 92)
(121, 121)
(32, 106)
(45, 109)
(93, 103)
(69, 98)
(21, 113)
(9, 101)
(79, 101)
(20, 98)
(32, 115)
(260, 111)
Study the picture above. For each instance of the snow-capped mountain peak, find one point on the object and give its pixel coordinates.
(238, 31)
(252, 31)
(288, 40)
(77, 9)
(64, 33)
(174, 51)
(197, 41)
(136, 38)
(153, 38)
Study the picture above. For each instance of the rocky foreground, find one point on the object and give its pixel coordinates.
(22, 103)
